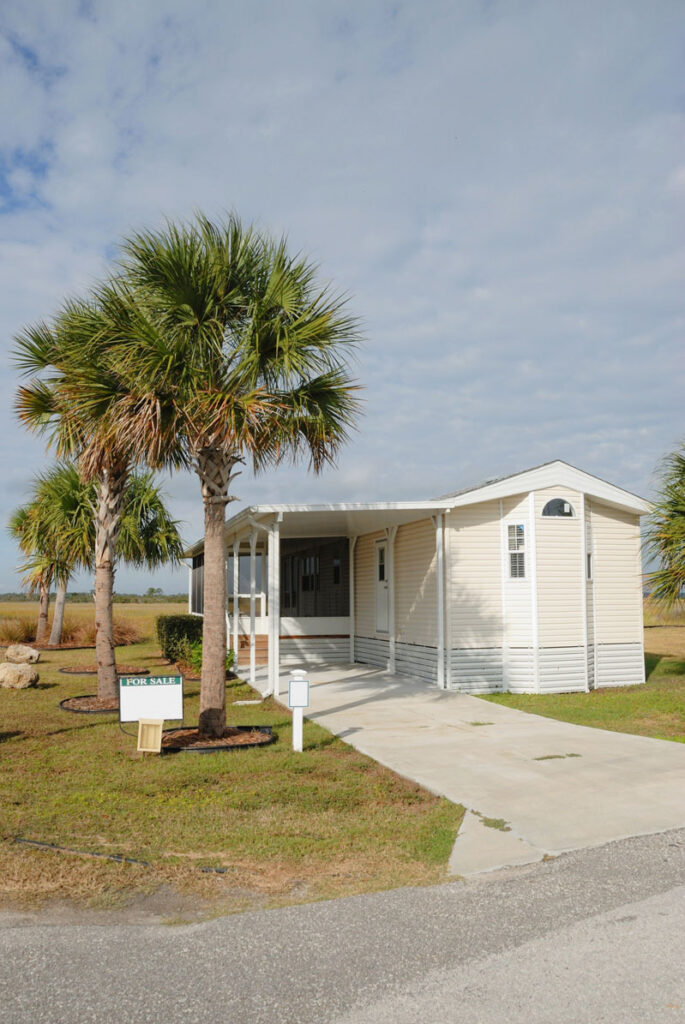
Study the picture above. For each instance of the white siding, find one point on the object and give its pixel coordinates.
(365, 584)
(615, 597)
(620, 665)
(474, 591)
(477, 670)
(617, 575)
(559, 572)
(303, 650)
(517, 592)
(416, 597)
(561, 669)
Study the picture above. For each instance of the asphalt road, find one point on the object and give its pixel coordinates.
(594, 936)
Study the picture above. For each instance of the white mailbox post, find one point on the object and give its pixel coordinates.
(298, 699)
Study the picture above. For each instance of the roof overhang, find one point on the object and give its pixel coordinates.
(354, 519)
(334, 520)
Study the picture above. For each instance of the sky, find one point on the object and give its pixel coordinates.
(497, 186)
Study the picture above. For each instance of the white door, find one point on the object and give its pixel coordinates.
(382, 588)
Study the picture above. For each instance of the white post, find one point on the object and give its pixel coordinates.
(352, 546)
(190, 587)
(274, 598)
(439, 521)
(270, 610)
(532, 555)
(298, 715)
(391, 533)
(253, 640)
(584, 586)
(236, 601)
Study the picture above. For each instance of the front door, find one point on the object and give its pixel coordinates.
(382, 587)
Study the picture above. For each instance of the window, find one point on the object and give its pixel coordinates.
(517, 556)
(589, 565)
(558, 507)
(381, 563)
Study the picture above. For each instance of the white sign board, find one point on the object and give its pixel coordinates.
(298, 693)
(159, 697)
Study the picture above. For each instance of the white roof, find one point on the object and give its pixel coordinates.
(344, 519)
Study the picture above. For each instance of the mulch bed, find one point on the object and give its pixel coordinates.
(92, 670)
(90, 704)
(234, 737)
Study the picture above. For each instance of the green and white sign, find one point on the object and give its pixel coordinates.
(159, 697)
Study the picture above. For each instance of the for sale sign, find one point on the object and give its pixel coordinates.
(159, 697)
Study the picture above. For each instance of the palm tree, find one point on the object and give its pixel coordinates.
(74, 384)
(666, 531)
(232, 353)
(63, 506)
(41, 566)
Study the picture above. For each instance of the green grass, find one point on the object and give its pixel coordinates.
(656, 709)
(285, 826)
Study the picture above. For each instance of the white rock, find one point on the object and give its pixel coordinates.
(17, 677)
(22, 654)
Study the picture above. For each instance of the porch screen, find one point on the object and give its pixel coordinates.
(315, 575)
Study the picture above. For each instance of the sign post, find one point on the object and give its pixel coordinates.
(298, 699)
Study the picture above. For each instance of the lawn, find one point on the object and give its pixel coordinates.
(656, 709)
(281, 827)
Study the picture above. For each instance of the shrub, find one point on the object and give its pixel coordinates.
(75, 630)
(190, 653)
(174, 630)
(19, 630)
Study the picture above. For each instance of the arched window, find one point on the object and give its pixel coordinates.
(558, 507)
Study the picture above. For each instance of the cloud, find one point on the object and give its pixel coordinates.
(497, 186)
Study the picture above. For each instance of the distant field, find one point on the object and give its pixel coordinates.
(657, 616)
(141, 616)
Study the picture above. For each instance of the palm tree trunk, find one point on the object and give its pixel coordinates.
(215, 471)
(58, 619)
(42, 627)
(107, 521)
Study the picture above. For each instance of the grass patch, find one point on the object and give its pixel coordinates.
(481, 723)
(285, 827)
(497, 823)
(655, 709)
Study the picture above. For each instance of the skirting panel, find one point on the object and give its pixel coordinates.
(561, 669)
(417, 660)
(410, 659)
(619, 665)
(477, 670)
(314, 649)
(371, 651)
(519, 670)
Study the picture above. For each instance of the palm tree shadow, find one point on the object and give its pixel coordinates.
(5, 736)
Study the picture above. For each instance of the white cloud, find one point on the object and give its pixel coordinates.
(498, 186)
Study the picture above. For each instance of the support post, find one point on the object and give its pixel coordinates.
(271, 609)
(439, 522)
(275, 618)
(190, 587)
(352, 545)
(253, 594)
(532, 556)
(391, 533)
(236, 601)
(584, 586)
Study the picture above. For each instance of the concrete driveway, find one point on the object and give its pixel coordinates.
(555, 786)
